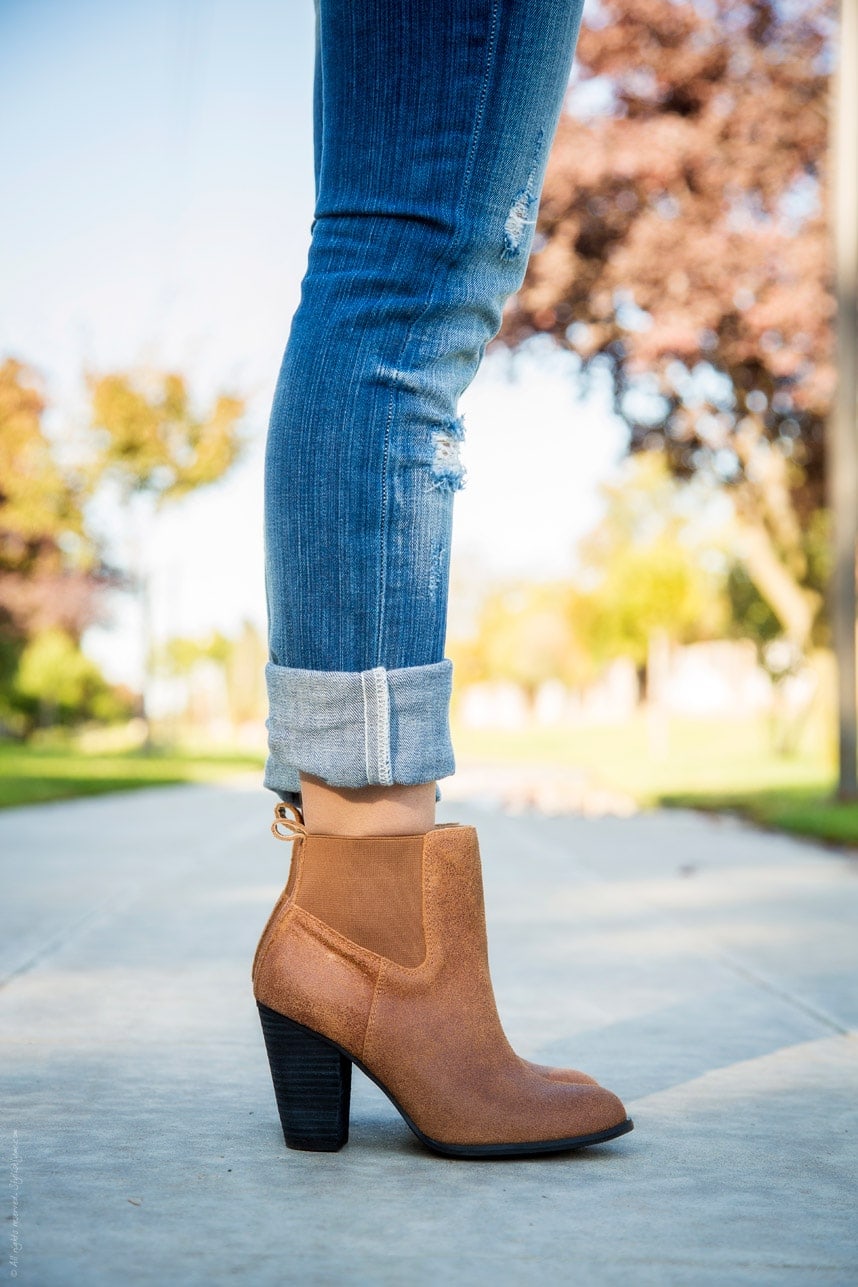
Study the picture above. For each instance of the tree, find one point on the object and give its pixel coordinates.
(51, 572)
(156, 448)
(525, 635)
(682, 244)
(152, 446)
(651, 573)
(241, 660)
(648, 567)
(152, 441)
(56, 684)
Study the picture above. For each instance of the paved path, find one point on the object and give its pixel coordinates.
(703, 970)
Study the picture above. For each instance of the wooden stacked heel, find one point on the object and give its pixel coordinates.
(312, 1084)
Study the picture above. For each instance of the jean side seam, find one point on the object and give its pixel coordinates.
(367, 724)
(385, 768)
(383, 526)
(376, 709)
(481, 109)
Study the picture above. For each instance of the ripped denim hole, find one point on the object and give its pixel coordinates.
(516, 222)
(524, 204)
(448, 472)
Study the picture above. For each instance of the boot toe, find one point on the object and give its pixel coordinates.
(602, 1110)
(569, 1076)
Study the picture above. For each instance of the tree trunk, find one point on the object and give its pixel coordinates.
(793, 604)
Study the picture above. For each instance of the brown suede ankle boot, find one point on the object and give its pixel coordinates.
(375, 954)
(294, 815)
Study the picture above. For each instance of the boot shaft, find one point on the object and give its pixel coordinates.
(409, 908)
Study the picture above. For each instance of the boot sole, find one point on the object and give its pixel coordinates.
(312, 1086)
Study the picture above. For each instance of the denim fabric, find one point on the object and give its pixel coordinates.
(433, 123)
(319, 718)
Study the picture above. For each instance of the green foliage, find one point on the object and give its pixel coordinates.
(56, 683)
(179, 655)
(148, 440)
(649, 567)
(818, 552)
(240, 658)
(156, 448)
(526, 636)
(751, 616)
(151, 439)
(50, 571)
(656, 589)
(39, 502)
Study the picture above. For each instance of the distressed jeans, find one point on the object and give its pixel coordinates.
(433, 120)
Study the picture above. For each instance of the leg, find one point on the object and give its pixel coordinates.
(433, 122)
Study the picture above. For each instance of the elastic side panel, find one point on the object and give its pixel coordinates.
(369, 890)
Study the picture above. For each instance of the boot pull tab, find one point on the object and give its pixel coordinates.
(290, 817)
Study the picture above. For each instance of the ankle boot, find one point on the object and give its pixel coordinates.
(375, 954)
(291, 815)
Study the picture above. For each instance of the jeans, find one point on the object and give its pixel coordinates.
(433, 120)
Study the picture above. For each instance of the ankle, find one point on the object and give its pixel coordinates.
(367, 811)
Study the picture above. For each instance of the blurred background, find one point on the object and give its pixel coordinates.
(642, 549)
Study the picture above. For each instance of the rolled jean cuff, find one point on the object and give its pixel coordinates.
(358, 728)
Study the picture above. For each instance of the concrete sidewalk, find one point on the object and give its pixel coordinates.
(703, 970)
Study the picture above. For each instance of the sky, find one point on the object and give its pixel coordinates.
(158, 158)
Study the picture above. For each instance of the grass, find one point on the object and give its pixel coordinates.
(804, 811)
(697, 763)
(32, 775)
